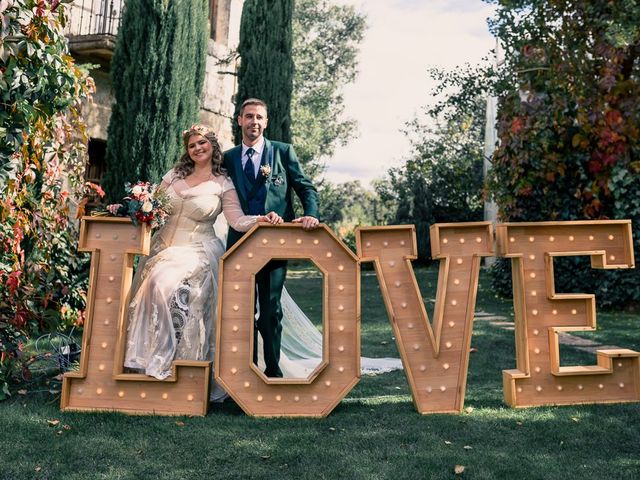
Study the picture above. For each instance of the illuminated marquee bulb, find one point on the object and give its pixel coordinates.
(580, 387)
(559, 387)
(236, 287)
(341, 267)
(104, 344)
(109, 299)
(234, 349)
(452, 324)
(341, 328)
(98, 235)
(99, 391)
(448, 344)
(611, 237)
(445, 366)
(190, 398)
(328, 383)
(537, 369)
(534, 293)
(532, 257)
(591, 237)
(478, 239)
(247, 384)
(532, 239)
(259, 398)
(265, 241)
(238, 266)
(554, 311)
(461, 240)
(111, 278)
(113, 258)
(341, 369)
(442, 388)
(235, 328)
(416, 347)
(341, 287)
(536, 331)
(612, 257)
(459, 261)
(551, 238)
(296, 398)
(532, 274)
(340, 308)
(402, 243)
(316, 241)
(600, 386)
(621, 385)
(341, 348)
(454, 302)
(143, 395)
(538, 388)
(368, 244)
(456, 281)
(392, 263)
(429, 389)
(106, 322)
(314, 398)
(571, 238)
(329, 254)
(536, 351)
(282, 241)
(234, 370)
(236, 308)
(423, 368)
(298, 241)
(445, 240)
(121, 394)
(574, 311)
(250, 255)
(101, 367)
(385, 243)
(278, 398)
(398, 284)
(534, 311)
(403, 304)
(165, 396)
(410, 325)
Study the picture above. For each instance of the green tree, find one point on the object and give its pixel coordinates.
(442, 179)
(157, 73)
(569, 123)
(326, 38)
(266, 66)
(43, 146)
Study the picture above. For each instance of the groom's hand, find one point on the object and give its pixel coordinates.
(308, 222)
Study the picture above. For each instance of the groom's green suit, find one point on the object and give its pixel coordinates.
(272, 192)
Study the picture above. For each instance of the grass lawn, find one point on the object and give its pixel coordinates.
(374, 433)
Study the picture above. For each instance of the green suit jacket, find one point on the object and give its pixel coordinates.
(285, 178)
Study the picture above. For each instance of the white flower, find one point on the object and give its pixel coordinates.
(147, 206)
(137, 190)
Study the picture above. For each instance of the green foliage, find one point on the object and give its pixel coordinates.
(157, 73)
(442, 181)
(325, 48)
(345, 206)
(266, 66)
(568, 124)
(42, 157)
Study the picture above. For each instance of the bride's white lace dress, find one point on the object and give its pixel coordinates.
(173, 304)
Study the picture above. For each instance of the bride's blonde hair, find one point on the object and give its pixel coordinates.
(185, 165)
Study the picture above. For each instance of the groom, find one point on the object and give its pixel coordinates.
(265, 173)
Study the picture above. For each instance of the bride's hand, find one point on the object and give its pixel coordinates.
(272, 218)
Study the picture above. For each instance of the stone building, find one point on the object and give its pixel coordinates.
(92, 28)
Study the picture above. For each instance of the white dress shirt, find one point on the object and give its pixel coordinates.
(258, 147)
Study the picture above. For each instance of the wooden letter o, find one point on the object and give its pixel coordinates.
(339, 371)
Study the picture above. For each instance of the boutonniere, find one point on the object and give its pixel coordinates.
(265, 170)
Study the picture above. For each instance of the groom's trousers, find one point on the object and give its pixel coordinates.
(270, 281)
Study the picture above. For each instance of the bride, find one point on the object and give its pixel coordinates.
(174, 293)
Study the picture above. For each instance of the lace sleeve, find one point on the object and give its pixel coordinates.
(233, 211)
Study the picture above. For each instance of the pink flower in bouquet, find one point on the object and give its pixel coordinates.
(113, 208)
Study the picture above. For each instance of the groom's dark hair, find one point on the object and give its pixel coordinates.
(253, 101)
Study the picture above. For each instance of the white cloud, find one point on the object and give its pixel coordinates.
(404, 39)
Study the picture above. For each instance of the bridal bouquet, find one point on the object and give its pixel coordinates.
(144, 203)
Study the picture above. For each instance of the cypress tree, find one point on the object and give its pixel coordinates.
(266, 65)
(157, 74)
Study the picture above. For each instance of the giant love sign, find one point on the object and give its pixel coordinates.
(435, 354)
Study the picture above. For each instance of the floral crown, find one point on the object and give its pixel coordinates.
(197, 129)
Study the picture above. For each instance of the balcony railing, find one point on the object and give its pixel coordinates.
(94, 17)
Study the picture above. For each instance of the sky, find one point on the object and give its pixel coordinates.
(403, 40)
